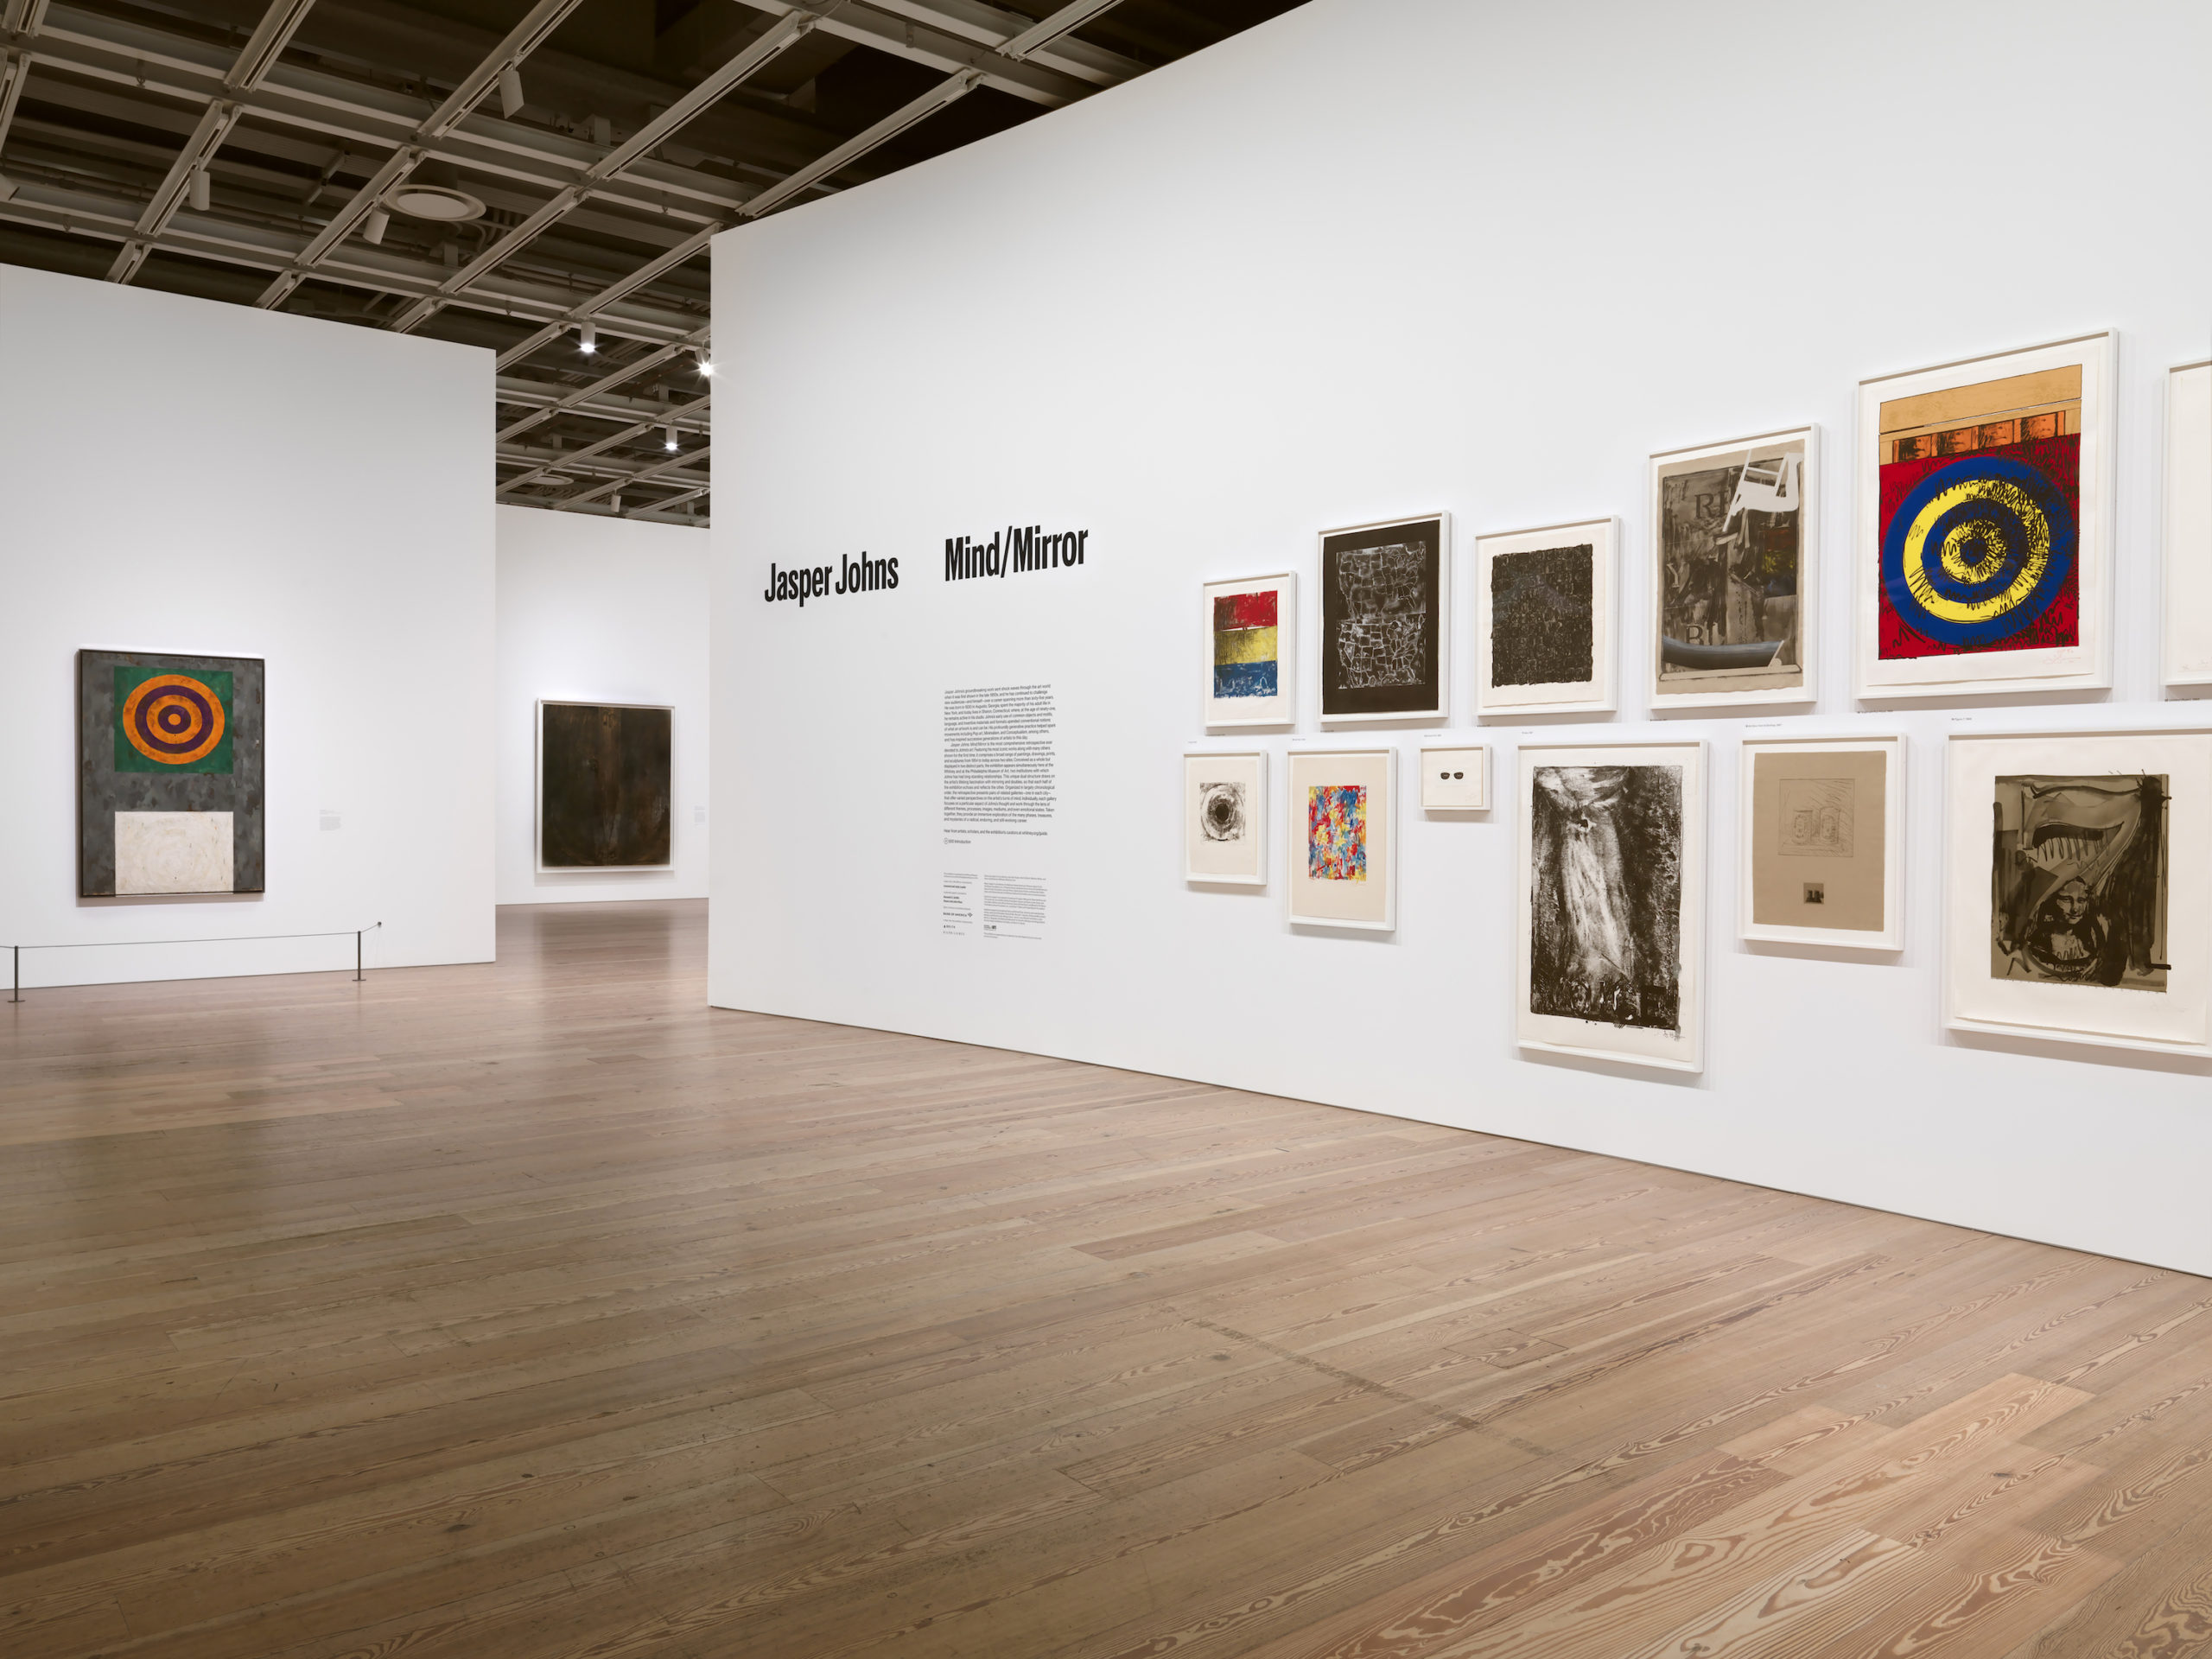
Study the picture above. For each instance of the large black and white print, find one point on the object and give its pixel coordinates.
(1382, 605)
(1605, 895)
(2079, 880)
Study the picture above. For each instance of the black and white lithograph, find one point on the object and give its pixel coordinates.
(1221, 811)
(2079, 880)
(1382, 620)
(1543, 616)
(1732, 569)
(1606, 912)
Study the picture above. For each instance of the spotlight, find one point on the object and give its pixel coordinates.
(511, 98)
(196, 190)
(671, 444)
(706, 363)
(586, 339)
(373, 227)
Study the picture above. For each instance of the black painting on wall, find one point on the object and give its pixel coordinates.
(1605, 941)
(1382, 620)
(1543, 616)
(605, 796)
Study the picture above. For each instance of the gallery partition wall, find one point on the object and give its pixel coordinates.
(248, 564)
(1324, 373)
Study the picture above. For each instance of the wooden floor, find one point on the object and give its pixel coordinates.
(536, 1312)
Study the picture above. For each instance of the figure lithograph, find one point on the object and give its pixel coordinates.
(2078, 901)
(1734, 527)
(1984, 562)
(1612, 901)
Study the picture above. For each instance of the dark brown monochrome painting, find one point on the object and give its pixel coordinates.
(1606, 851)
(2079, 881)
(604, 790)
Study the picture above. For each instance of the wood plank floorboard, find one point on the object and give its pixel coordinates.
(536, 1311)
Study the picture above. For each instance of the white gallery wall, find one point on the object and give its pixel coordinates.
(179, 476)
(598, 609)
(1372, 259)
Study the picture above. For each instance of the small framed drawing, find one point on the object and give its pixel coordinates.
(1455, 780)
(2066, 914)
(1544, 621)
(605, 790)
(1252, 652)
(2188, 526)
(1823, 842)
(1225, 818)
(1735, 567)
(1383, 610)
(1983, 561)
(1344, 863)
(1613, 902)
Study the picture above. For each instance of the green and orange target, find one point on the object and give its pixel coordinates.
(170, 722)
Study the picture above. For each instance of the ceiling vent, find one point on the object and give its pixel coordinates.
(434, 191)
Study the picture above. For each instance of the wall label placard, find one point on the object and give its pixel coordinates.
(860, 576)
(1020, 549)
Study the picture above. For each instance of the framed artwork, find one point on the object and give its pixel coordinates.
(605, 792)
(1252, 644)
(1613, 902)
(1455, 779)
(169, 774)
(1344, 863)
(2067, 915)
(1984, 556)
(1383, 607)
(1545, 610)
(1735, 570)
(1225, 818)
(1823, 840)
(2188, 526)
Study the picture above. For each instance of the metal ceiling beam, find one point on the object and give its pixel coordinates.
(787, 30)
(524, 38)
(628, 435)
(639, 477)
(629, 371)
(258, 56)
(1036, 38)
(79, 211)
(613, 292)
(19, 21)
(608, 406)
(949, 35)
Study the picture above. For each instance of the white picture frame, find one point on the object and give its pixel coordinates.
(2188, 532)
(1208, 858)
(1674, 680)
(1349, 705)
(1976, 405)
(1820, 866)
(537, 790)
(1455, 777)
(2175, 1018)
(1597, 694)
(1329, 901)
(1227, 704)
(1539, 1024)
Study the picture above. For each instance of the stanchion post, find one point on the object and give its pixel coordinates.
(16, 994)
(356, 956)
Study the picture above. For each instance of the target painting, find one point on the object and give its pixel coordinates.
(1980, 518)
(170, 775)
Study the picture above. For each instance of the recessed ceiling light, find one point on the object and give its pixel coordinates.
(433, 201)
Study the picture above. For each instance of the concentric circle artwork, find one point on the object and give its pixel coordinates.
(172, 719)
(1977, 552)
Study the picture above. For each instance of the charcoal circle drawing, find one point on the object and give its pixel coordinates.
(172, 719)
(1978, 551)
(1221, 811)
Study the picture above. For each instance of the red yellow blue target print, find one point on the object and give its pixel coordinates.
(173, 720)
(1977, 552)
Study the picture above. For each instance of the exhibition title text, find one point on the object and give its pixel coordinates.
(860, 576)
(1021, 548)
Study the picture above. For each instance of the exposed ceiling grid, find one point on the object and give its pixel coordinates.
(543, 182)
